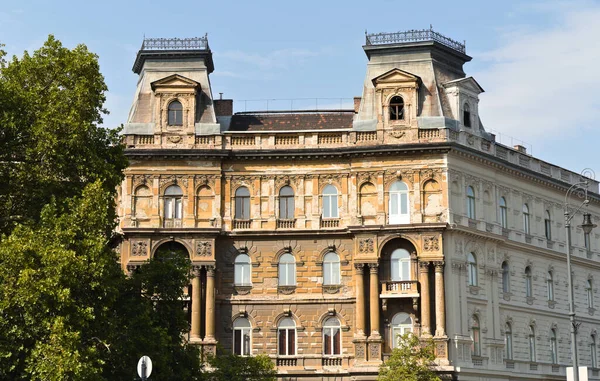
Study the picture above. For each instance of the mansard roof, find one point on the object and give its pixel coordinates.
(291, 121)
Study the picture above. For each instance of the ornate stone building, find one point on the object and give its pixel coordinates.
(317, 237)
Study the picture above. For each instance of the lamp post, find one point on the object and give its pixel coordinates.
(579, 189)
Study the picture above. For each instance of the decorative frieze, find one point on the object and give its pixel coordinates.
(139, 249)
(366, 245)
(431, 243)
(203, 249)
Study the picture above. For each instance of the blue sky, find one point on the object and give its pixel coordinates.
(537, 60)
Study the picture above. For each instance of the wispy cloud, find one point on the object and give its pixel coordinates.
(543, 82)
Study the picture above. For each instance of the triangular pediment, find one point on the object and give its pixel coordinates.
(395, 76)
(468, 83)
(175, 80)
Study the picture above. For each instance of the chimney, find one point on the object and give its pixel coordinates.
(223, 107)
(521, 148)
(356, 104)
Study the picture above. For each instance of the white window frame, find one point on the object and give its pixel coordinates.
(287, 270)
(286, 203)
(243, 326)
(401, 323)
(173, 202)
(242, 203)
(330, 326)
(331, 269)
(242, 270)
(400, 260)
(398, 196)
(330, 202)
(289, 326)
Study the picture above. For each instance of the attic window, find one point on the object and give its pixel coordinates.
(466, 116)
(175, 114)
(397, 108)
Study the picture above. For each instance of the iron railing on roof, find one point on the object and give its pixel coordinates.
(413, 36)
(194, 43)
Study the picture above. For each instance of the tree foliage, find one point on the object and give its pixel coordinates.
(227, 366)
(411, 360)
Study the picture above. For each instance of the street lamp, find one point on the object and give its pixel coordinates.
(580, 190)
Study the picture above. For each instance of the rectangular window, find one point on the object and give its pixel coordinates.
(242, 208)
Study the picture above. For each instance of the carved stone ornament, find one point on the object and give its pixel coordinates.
(286, 290)
(281, 181)
(331, 289)
(141, 180)
(366, 245)
(174, 139)
(173, 179)
(398, 133)
(203, 249)
(364, 177)
(431, 244)
(374, 350)
(205, 180)
(139, 249)
(360, 351)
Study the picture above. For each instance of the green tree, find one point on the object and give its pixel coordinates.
(227, 366)
(411, 360)
(51, 145)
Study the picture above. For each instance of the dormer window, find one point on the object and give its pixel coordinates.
(175, 114)
(397, 108)
(466, 115)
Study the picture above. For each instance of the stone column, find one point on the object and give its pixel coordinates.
(360, 298)
(210, 303)
(425, 313)
(374, 307)
(196, 313)
(440, 300)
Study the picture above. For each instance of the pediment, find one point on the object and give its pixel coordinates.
(469, 84)
(175, 80)
(395, 76)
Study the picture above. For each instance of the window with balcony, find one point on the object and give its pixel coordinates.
(331, 269)
(286, 203)
(526, 225)
(242, 204)
(287, 270)
(508, 341)
(241, 337)
(332, 337)
(472, 269)
(173, 207)
(398, 203)
(400, 265)
(475, 337)
(397, 108)
(286, 337)
(503, 213)
(330, 202)
(175, 114)
(242, 270)
(401, 324)
(470, 202)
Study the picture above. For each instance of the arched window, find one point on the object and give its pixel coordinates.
(593, 353)
(528, 283)
(401, 323)
(242, 273)
(332, 337)
(466, 115)
(590, 293)
(548, 225)
(472, 269)
(286, 337)
(287, 270)
(550, 285)
(242, 203)
(503, 213)
(330, 202)
(476, 337)
(173, 205)
(470, 202)
(526, 225)
(241, 337)
(508, 341)
(175, 114)
(398, 207)
(331, 269)
(397, 108)
(553, 347)
(505, 277)
(531, 340)
(286, 203)
(400, 265)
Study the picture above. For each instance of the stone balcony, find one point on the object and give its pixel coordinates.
(400, 289)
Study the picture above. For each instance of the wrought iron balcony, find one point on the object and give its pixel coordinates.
(414, 36)
(400, 289)
(195, 43)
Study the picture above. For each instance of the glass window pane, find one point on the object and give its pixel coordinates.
(327, 341)
(334, 206)
(405, 270)
(394, 204)
(291, 342)
(178, 208)
(237, 342)
(335, 278)
(168, 208)
(404, 204)
(246, 337)
(282, 208)
(282, 342)
(326, 207)
(336, 341)
(238, 279)
(327, 273)
(290, 207)
(395, 270)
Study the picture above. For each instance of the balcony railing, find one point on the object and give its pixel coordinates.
(172, 222)
(195, 43)
(400, 289)
(414, 36)
(286, 224)
(330, 223)
(332, 361)
(242, 224)
(286, 362)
